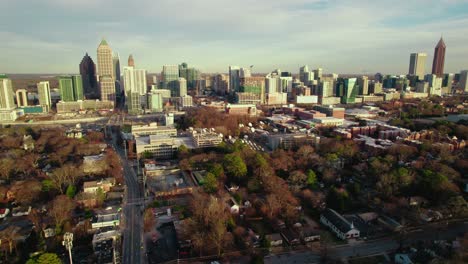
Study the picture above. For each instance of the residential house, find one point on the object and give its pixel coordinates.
(275, 239)
(109, 217)
(290, 236)
(342, 228)
(21, 211)
(4, 212)
(93, 186)
(309, 234)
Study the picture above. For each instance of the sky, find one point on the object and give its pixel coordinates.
(352, 36)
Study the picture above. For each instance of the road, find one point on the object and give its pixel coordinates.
(132, 234)
(437, 231)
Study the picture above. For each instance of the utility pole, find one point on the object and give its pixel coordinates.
(68, 243)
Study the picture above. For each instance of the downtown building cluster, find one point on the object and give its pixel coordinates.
(105, 86)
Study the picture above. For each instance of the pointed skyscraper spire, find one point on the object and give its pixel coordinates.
(103, 42)
(439, 58)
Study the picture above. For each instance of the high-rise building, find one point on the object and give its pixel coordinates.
(133, 103)
(21, 97)
(439, 59)
(107, 85)
(88, 76)
(306, 76)
(7, 102)
(189, 74)
(134, 80)
(253, 87)
(221, 84)
(170, 76)
(245, 73)
(116, 66)
(318, 74)
(463, 82)
(417, 64)
(155, 101)
(43, 91)
(347, 89)
(273, 83)
(106, 72)
(363, 83)
(71, 88)
(325, 89)
(131, 61)
(105, 60)
(234, 79)
(181, 88)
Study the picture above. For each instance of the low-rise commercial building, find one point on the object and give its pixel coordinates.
(241, 109)
(153, 129)
(342, 228)
(205, 139)
(328, 121)
(161, 146)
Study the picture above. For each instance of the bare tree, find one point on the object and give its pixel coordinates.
(61, 209)
(65, 175)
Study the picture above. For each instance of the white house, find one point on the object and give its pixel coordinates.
(4, 212)
(275, 239)
(342, 228)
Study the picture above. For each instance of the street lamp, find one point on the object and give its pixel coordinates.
(68, 243)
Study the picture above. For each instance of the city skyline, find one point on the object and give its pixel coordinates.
(357, 37)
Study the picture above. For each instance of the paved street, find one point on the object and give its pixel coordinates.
(132, 235)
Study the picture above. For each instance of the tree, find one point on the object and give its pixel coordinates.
(297, 179)
(6, 167)
(27, 192)
(149, 221)
(65, 175)
(48, 258)
(100, 196)
(235, 166)
(10, 235)
(216, 169)
(311, 178)
(71, 191)
(210, 183)
(60, 210)
(207, 226)
(338, 199)
(146, 155)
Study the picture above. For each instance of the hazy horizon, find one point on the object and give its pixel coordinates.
(358, 37)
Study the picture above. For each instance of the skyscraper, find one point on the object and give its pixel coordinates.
(190, 74)
(107, 85)
(305, 76)
(181, 87)
(439, 59)
(106, 72)
(134, 80)
(318, 74)
(88, 76)
(6, 93)
(347, 89)
(170, 76)
(221, 84)
(105, 60)
(131, 61)
(21, 97)
(71, 88)
(417, 64)
(43, 91)
(363, 83)
(463, 83)
(234, 79)
(116, 66)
